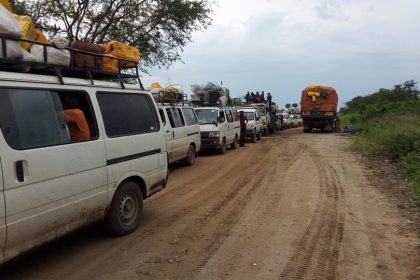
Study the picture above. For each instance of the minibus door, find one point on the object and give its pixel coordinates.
(2, 217)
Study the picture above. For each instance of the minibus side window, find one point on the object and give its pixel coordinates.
(162, 116)
(190, 117)
(235, 115)
(79, 115)
(229, 116)
(127, 113)
(174, 117)
(32, 118)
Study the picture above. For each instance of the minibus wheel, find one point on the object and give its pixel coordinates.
(126, 209)
(190, 159)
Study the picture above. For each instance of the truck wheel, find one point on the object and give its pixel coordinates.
(259, 135)
(235, 143)
(266, 132)
(222, 149)
(126, 209)
(190, 159)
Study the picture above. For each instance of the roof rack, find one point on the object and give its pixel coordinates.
(163, 97)
(91, 73)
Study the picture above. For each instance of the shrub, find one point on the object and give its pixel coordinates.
(389, 125)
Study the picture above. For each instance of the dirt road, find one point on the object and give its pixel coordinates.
(292, 206)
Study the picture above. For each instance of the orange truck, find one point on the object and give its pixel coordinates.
(319, 108)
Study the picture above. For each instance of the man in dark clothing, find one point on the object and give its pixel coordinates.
(243, 121)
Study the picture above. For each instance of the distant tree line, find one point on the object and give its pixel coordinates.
(386, 97)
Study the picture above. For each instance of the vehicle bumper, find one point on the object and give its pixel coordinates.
(249, 132)
(210, 144)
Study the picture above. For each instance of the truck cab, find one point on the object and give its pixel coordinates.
(219, 127)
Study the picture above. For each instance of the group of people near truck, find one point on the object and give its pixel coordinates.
(251, 97)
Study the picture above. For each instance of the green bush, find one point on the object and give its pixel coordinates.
(411, 163)
(388, 124)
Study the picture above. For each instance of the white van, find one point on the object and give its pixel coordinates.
(74, 152)
(182, 132)
(254, 127)
(219, 127)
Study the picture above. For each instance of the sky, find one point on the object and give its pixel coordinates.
(281, 46)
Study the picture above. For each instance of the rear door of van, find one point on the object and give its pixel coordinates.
(192, 128)
(179, 134)
(2, 215)
(53, 183)
(236, 124)
(168, 133)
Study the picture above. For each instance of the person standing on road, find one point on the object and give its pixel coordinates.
(243, 121)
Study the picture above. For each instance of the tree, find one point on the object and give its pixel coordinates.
(237, 101)
(159, 28)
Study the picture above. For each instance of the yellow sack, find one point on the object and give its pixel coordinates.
(28, 30)
(123, 51)
(6, 4)
(109, 64)
(40, 37)
(156, 85)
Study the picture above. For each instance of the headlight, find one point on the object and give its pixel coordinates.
(214, 134)
(250, 125)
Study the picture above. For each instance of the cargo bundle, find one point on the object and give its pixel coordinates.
(319, 108)
(320, 98)
(24, 48)
(210, 94)
(171, 92)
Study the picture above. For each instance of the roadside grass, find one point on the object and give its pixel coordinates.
(390, 130)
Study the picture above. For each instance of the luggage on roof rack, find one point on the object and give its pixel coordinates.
(85, 61)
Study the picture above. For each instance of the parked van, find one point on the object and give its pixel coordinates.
(72, 152)
(287, 121)
(264, 116)
(219, 127)
(254, 127)
(182, 132)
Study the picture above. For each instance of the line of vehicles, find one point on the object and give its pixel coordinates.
(78, 145)
(55, 179)
(74, 151)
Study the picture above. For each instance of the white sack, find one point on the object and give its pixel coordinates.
(54, 56)
(13, 49)
(8, 23)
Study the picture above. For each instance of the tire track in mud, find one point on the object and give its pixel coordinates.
(316, 255)
(212, 220)
(225, 213)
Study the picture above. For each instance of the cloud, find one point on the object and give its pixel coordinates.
(281, 46)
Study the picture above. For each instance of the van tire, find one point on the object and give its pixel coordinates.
(234, 145)
(266, 131)
(191, 155)
(254, 136)
(259, 135)
(222, 149)
(126, 209)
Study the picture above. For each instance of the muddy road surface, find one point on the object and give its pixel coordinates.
(291, 206)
